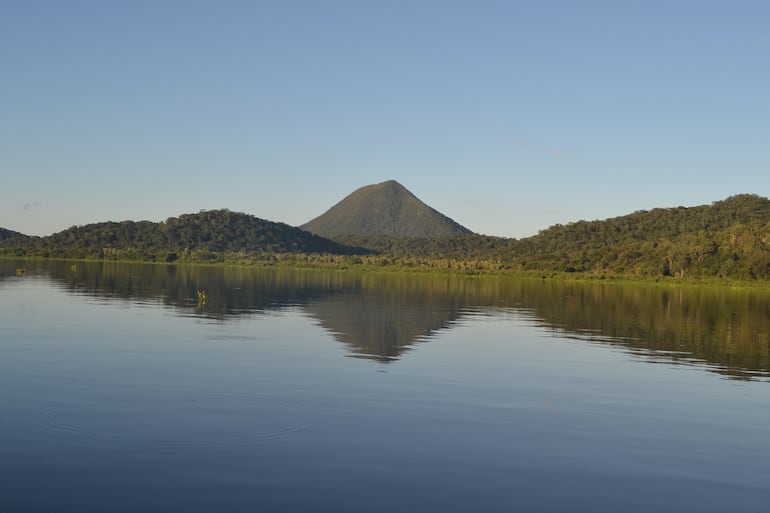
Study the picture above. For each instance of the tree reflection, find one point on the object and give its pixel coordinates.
(381, 316)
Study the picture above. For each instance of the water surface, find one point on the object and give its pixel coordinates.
(329, 391)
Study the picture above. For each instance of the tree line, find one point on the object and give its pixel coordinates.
(727, 239)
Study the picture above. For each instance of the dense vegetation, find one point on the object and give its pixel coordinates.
(383, 209)
(728, 239)
(10, 235)
(204, 236)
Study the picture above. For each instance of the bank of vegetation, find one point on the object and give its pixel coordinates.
(727, 240)
(205, 236)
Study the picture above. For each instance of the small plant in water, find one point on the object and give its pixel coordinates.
(203, 298)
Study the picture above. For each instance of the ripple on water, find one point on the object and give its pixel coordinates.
(214, 422)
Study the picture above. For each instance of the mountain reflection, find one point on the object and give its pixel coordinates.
(380, 316)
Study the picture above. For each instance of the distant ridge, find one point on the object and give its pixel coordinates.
(383, 209)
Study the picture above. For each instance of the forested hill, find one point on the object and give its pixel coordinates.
(10, 234)
(727, 239)
(188, 237)
(654, 225)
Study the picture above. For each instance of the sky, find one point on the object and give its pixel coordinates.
(507, 116)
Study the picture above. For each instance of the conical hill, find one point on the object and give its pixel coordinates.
(386, 208)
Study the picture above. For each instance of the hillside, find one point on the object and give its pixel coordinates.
(653, 225)
(383, 209)
(10, 234)
(198, 236)
(727, 239)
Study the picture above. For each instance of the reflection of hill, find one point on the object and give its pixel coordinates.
(231, 291)
(727, 329)
(380, 323)
(374, 328)
(382, 315)
(376, 316)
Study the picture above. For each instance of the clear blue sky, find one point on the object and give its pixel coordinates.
(507, 116)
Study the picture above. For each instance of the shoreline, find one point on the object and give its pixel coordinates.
(468, 269)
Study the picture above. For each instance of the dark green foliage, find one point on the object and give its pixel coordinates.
(728, 239)
(653, 225)
(11, 235)
(11, 240)
(460, 247)
(191, 237)
(383, 209)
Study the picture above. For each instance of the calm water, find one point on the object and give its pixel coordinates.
(322, 391)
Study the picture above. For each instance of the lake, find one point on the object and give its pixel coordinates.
(124, 390)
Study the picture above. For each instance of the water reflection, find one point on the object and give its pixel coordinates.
(725, 328)
(380, 316)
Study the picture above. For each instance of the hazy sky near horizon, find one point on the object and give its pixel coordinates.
(507, 116)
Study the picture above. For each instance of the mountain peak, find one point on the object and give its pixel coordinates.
(386, 208)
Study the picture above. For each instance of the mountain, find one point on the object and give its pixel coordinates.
(725, 239)
(189, 236)
(386, 208)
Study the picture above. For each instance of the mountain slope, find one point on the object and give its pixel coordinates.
(10, 234)
(215, 231)
(727, 239)
(386, 208)
(653, 225)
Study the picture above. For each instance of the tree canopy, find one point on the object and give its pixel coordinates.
(727, 239)
(200, 236)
